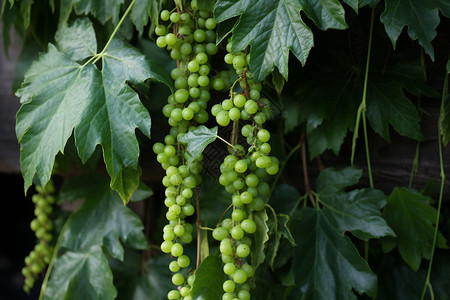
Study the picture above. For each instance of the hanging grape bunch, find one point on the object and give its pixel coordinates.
(188, 34)
(42, 225)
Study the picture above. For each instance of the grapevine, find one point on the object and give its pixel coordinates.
(42, 225)
(243, 174)
(190, 38)
(264, 194)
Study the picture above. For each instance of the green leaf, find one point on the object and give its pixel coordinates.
(142, 11)
(412, 217)
(103, 220)
(209, 278)
(60, 95)
(77, 40)
(331, 180)
(397, 280)
(272, 28)
(81, 275)
(197, 140)
(387, 104)
(420, 16)
(103, 11)
(326, 265)
(260, 238)
(357, 211)
(278, 229)
(136, 281)
(325, 14)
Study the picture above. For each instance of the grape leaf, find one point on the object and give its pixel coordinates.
(101, 10)
(260, 237)
(60, 95)
(272, 28)
(331, 180)
(278, 229)
(142, 10)
(397, 280)
(357, 211)
(412, 217)
(387, 104)
(326, 265)
(325, 14)
(209, 278)
(77, 40)
(102, 220)
(328, 110)
(420, 16)
(81, 275)
(197, 140)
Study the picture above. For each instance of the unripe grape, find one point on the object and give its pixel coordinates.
(242, 250)
(220, 233)
(240, 276)
(229, 286)
(165, 15)
(248, 226)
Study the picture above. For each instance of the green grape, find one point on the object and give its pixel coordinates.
(248, 226)
(229, 268)
(238, 62)
(242, 250)
(165, 15)
(238, 215)
(240, 276)
(175, 17)
(237, 232)
(220, 233)
(241, 166)
(177, 279)
(171, 39)
(176, 250)
(229, 286)
(222, 118)
(174, 294)
(183, 261)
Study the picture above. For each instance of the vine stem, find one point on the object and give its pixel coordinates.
(52, 261)
(198, 223)
(363, 106)
(441, 191)
(362, 112)
(100, 55)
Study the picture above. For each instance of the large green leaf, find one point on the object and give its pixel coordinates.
(326, 265)
(81, 275)
(357, 211)
(60, 95)
(209, 278)
(397, 281)
(103, 220)
(420, 16)
(387, 104)
(77, 40)
(328, 110)
(272, 28)
(412, 217)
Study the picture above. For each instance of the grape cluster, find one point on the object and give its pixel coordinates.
(243, 174)
(42, 225)
(188, 33)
